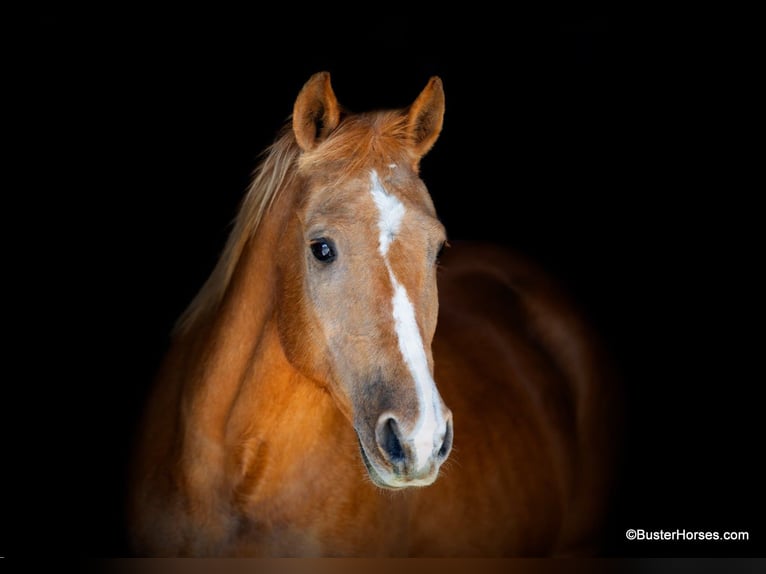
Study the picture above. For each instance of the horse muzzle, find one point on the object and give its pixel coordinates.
(398, 459)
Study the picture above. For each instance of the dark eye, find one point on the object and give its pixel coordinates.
(323, 249)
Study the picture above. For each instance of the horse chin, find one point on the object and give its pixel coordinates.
(395, 483)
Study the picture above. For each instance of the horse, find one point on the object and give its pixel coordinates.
(349, 383)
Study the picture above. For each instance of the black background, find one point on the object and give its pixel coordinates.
(606, 145)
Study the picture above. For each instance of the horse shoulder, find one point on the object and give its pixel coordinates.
(178, 500)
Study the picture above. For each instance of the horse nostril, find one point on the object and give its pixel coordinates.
(389, 441)
(447, 443)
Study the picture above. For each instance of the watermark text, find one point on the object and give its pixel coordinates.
(683, 535)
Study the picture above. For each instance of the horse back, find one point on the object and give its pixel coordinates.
(535, 404)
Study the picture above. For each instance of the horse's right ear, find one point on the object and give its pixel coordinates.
(316, 112)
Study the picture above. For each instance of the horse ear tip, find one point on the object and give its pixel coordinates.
(318, 79)
(435, 87)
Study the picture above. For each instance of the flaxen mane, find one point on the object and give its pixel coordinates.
(355, 141)
(273, 174)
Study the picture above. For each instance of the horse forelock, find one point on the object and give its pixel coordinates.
(360, 143)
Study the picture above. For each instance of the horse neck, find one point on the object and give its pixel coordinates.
(234, 376)
(223, 350)
(240, 398)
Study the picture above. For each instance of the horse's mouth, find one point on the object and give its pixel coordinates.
(374, 474)
(396, 481)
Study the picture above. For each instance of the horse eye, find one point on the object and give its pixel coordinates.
(323, 249)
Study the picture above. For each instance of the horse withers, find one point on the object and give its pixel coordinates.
(342, 385)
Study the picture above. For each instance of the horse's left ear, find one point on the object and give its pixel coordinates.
(425, 117)
(316, 111)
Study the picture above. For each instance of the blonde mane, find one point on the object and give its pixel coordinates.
(274, 173)
(359, 140)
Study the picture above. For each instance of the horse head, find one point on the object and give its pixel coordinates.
(357, 267)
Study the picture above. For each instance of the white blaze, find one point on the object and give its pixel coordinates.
(430, 424)
(391, 212)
